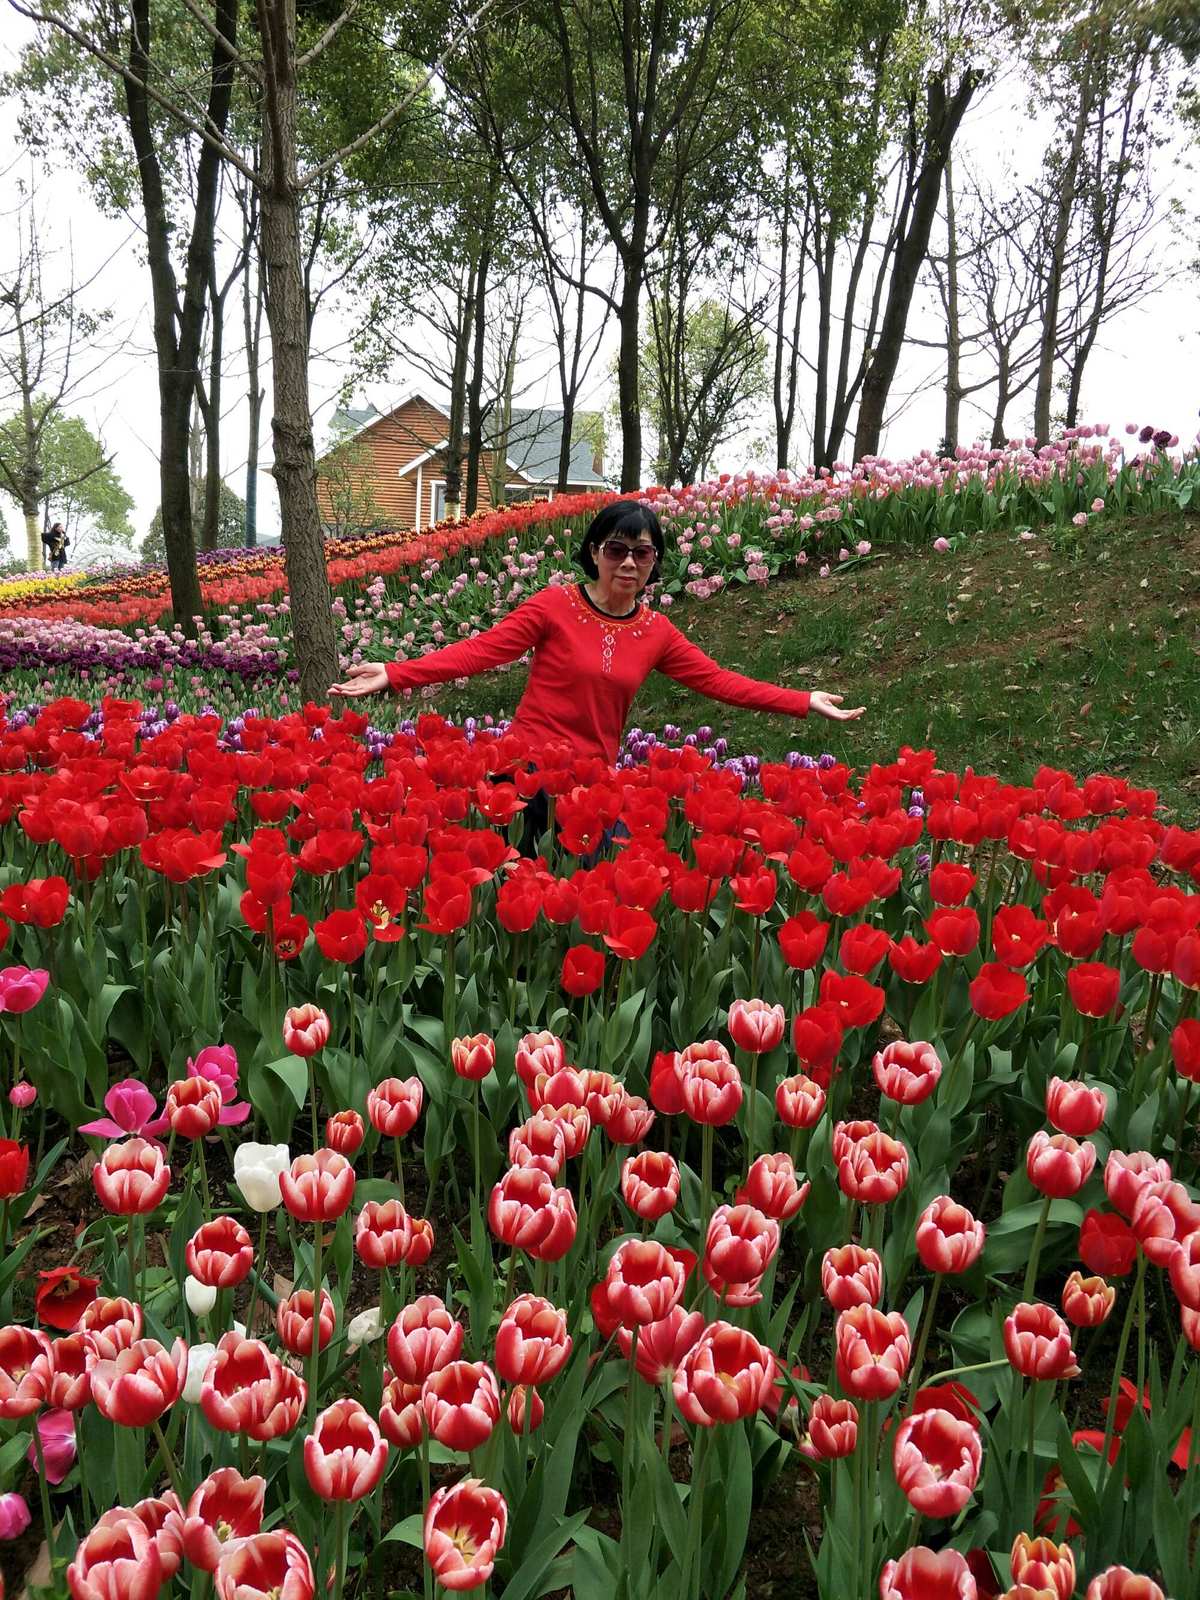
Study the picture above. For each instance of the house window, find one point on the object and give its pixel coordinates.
(437, 502)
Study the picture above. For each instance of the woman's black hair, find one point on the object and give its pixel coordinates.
(628, 517)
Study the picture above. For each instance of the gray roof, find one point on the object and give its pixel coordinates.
(348, 420)
(534, 436)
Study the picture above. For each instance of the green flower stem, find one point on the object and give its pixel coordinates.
(923, 1337)
(423, 1458)
(1035, 1252)
(691, 1560)
(260, 1261)
(475, 1139)
(341, 1535)
(44, 1489)
(314, 1360)
(399, 1169)
(706, 1181)
(312, 1101)
(1118, 1369)
(1030, 1447)
(168, 1461)
(752, 1108)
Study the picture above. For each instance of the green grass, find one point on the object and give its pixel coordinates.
(1002, 656)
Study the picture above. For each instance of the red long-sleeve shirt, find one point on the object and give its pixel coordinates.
(587, 667)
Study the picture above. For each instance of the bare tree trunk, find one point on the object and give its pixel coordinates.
(464, 328)
(177, 327)
(1002, 399)
(475, 387)
(1068, 186)
(954, 391)
(786, 372)
(30, 466)
(294, 470)
(252, 309)
(569, 375)
(943, 117)
(629, 399)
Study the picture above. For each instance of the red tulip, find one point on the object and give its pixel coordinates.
(799, 1102)
(661, 1345)
(950, 884)
(1185, 1049)
(62, 1296)
(817, 1035)
(913, 962)
(401, 1419)
(726, 1375)
(630, 1121)
(802, 941)
(954, 930)
(711, 1088)
(110, 1326)
(846, 1135)
(1125, 1176)
(1093, 988)
(117, 1560)
(1184, 1268)
(539, 1052)
(650, 1184)
(532, 1342)
(473, 1056)
(317, 1187)
(139, 1384)
(526, 1212)
(225, 1507)
(342, 935)
(267, 1566)
(907, 1073)
(305, 1030)
(772, 1186)
(345, 1132)
(856, 1002)
(863, 947)
(582, 970)
(193, 1107)
(643, 1283)
(1038, 1342)
(996, 992)
(832, 1429)
(68, 1387)
(949, 1239)
(383, 1234)
(1075, 1108)
(526, 1409)
(394, 1105)
(666, 1083)
(461, 1403)
(755, 1026)
(423, 1339)
(936, 1457)
(294, 1322)
(740, 1245)
(1058, 1165)
(1086, 1302)
(1119, 1583)
(1041, 1564)
(1163, 1215)
(246, 1390)
(540, 1141)
(874, 1170)
(219, 1253)
(464, 1531)
(344, 1455)
(14, 1168)
(851, 1276)
(1107, 1244)
(924, 1574)
(25, 1368)
(131, 1178)
(873, 1352)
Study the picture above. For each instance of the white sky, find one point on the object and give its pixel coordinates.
(1146, 367)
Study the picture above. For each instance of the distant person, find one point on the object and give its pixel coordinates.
(56, 544)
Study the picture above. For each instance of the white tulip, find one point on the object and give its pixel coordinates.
(199, 1296)
(364, 1328)
(256, 1169)
(199, 1358)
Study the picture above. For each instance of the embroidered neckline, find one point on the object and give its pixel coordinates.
(584, 603)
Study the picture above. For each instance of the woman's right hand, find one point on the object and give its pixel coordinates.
(368, 677)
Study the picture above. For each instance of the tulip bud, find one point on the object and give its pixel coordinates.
(461, 1402)
(365, 1328)
(799, 1102)
(1074, 1108)
(344, 1132)
(1042, 1564)
(464, 1531)
(1119, 1583)
(755, 1026)
(305, 1030)
(924, 1574)
(526, 1409)
(936, 1458)
(1038, 1342)
(473, 1056)
(199, 1296)
(949, 1239)
(256, 1171)
(650, 1184)
(1087, 1302)
(851, 1276)
(1058, 1165)
(401, 1419)
(907, 1073)
(199, 1359)
(832, 1429)
(344, 1455)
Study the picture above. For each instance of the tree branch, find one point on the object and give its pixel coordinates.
(327, 38)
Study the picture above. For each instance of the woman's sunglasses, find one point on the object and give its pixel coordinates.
(643, 554)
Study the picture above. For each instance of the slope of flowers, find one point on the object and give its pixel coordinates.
(812, 1126)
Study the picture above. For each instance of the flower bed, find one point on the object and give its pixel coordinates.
(827, 1134)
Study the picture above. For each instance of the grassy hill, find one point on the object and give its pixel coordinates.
(1081, 652)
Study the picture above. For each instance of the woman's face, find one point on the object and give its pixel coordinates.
(625, 562)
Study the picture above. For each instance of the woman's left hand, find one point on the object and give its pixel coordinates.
(830, 705)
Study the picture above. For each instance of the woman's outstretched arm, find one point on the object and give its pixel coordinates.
(496, 647)
(688, 664)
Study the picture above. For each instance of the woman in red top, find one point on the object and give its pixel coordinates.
(594, 644)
